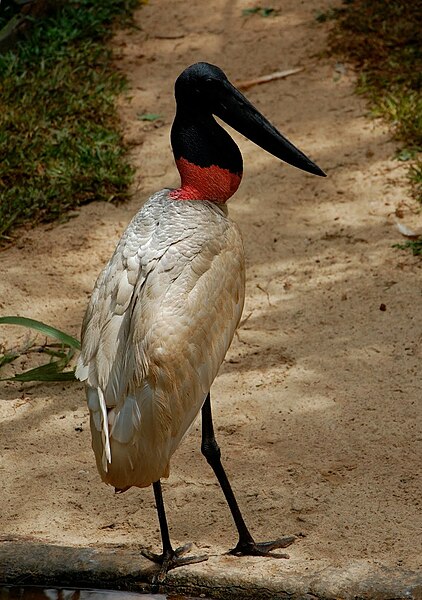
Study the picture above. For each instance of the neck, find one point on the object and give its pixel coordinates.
(208, 160)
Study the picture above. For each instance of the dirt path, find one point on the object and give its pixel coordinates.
(316, 405)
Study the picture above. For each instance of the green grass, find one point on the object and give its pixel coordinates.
(415, 246)
(60, 140)
(262, 11)
(383, 39)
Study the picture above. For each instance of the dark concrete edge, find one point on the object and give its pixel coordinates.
(115, 567)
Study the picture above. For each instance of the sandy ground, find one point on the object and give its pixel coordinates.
(316, 406)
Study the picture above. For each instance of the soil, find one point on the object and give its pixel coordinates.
(317, 405)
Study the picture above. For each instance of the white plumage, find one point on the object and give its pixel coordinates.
(161, 318)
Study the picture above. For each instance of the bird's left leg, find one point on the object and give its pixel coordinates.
(169, 559)
(246, 544)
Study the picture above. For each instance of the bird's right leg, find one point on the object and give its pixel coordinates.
(246, 544)
(170, 558)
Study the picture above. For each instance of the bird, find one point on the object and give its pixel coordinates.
(165, 308)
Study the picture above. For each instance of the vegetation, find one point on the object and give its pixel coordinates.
(59, 133)
(262, 11)
(384, 41)
(60, 353)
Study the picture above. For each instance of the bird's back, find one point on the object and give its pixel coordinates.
(161, 318)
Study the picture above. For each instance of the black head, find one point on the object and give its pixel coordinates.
(199, 86)
(204, 89)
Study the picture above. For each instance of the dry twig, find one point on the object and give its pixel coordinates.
(245, 85)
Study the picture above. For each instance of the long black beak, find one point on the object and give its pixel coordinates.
(234, 109)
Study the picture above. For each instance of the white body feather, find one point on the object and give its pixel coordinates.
(161, 318)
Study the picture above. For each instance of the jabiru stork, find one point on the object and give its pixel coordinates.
(165, 308)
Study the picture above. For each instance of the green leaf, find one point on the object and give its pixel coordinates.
(58, 353)
(8, 357)
(149, 117)
(50, 372)
(64, 338)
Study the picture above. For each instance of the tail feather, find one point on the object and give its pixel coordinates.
(107, 450)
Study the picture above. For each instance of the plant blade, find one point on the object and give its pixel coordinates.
(48, 330)
(149, 117)
(49, 372)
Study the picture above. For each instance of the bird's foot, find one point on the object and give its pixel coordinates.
(252, 548)
(171, 559)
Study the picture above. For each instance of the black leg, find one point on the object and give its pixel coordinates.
(159, 503)
(211, 451)
(169, 559)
